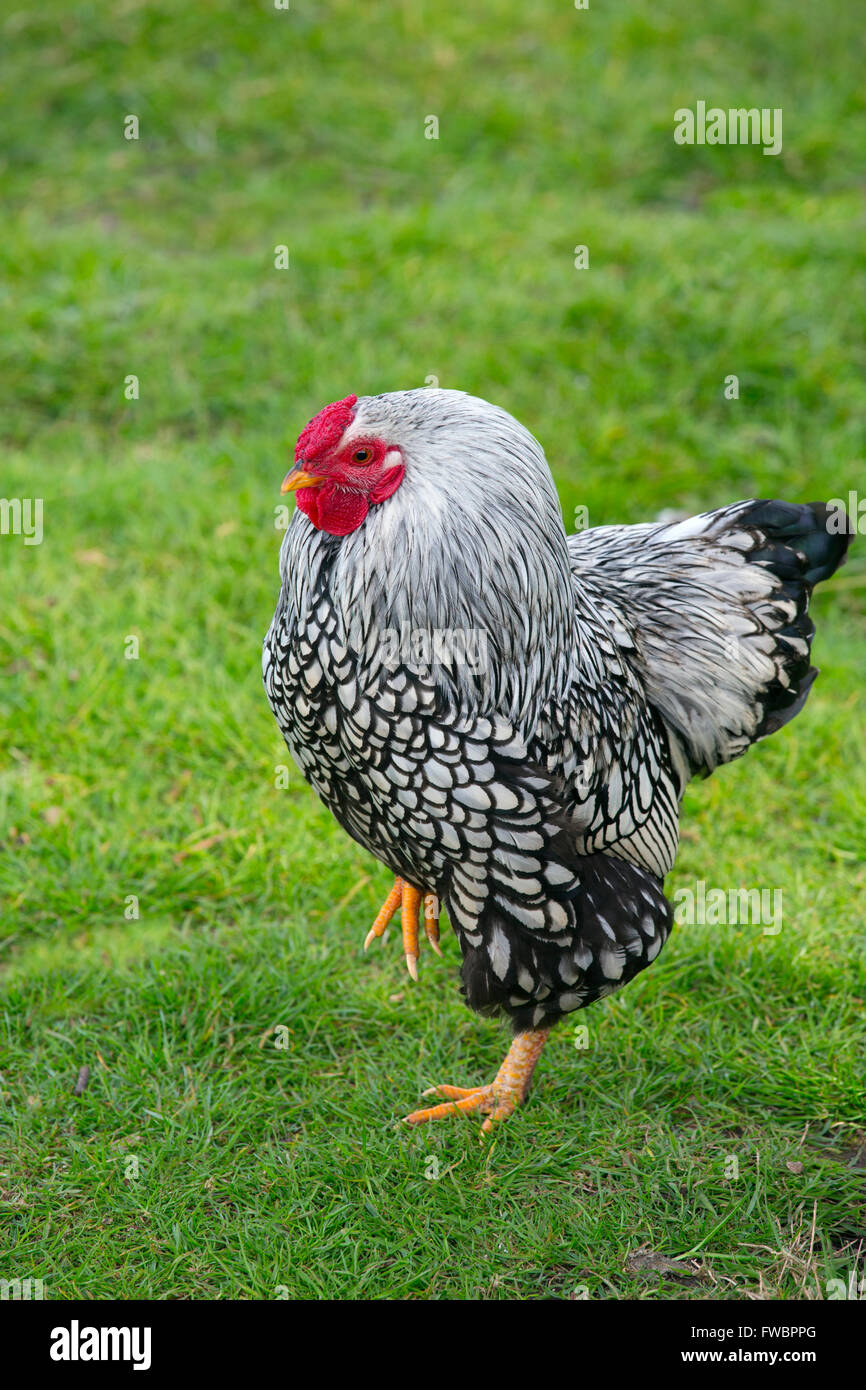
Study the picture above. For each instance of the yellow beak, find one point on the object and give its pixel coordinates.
(297, 478)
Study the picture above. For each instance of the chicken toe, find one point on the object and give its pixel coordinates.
(497, 1100)
(408, 899)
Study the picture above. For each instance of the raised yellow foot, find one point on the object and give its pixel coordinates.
(408, 899)
(498, 1100)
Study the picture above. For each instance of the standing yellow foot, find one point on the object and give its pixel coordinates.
(498, 1100)
(408, 899)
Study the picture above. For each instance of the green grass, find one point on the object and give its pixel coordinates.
(261, 1167)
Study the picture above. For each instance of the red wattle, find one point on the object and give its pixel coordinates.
(331, 508)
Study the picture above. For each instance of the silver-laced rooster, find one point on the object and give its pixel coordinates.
(528, 776)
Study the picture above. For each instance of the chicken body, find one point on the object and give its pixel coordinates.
(534, 788)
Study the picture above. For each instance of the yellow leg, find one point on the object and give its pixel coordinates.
(498, 1100)
(408, 898)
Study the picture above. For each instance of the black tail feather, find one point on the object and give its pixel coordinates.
(803, 544)
(807, 541)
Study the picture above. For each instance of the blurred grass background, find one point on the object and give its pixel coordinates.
(262, 1168)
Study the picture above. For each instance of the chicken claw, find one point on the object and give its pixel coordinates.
(431, 921)
(408, 899)
(501, 1097)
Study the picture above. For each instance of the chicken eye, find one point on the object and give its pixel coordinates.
(362, 455)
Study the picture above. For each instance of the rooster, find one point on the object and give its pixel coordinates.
(528, 779)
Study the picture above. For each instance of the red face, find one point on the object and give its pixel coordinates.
(337, 486)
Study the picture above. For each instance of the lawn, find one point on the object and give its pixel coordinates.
(181, 916)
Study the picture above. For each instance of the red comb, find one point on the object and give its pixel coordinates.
(325, 430)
